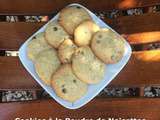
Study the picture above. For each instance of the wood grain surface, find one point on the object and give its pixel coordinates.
(146, 108)
(43, 7)
(139, 29)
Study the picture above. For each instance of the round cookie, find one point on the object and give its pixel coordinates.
(86, 66)
(83, 33)
(46, 64)
(55, 34)
(36, 45)
(71, 17)
(65, 51)
(67, 85)
(108, 46)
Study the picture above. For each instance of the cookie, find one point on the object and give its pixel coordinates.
(36, 45)
(66, 85)
(65, 51)
(108, 46)
(46, 64)
(71, 17)
(83, 33)
(55, 34)
(86, 66)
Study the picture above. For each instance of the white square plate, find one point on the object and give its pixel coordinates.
(93, 90)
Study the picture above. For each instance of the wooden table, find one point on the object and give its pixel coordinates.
(142, 70)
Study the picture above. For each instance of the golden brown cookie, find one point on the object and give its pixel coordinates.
(36, 45)
(55, 34)
(86, 66)
(108, 46)
(65, 51)
(83, 33)
(67, 85)
(71, 17)
(46, 64)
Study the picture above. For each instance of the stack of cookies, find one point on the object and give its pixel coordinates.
(72, 53)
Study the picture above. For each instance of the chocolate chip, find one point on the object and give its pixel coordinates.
(64, 90)
(94, 57)
(112, 57)
(97, 41)
(74, 81)
(78, 7)
(99, 36)
(101, 66)
(82, 53)
(63, 86)
(85, 32)
(90, 69)
(55, 28)
(34, 37)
